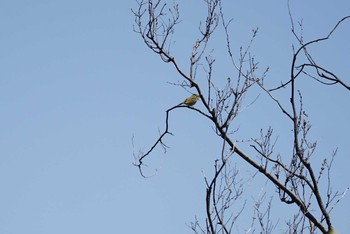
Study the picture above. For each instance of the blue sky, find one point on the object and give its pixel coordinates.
(76, 83)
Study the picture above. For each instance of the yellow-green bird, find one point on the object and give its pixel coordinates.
(191, 100)
(331, 231)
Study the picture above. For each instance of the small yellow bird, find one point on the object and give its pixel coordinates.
(191, 100)
(331, 231)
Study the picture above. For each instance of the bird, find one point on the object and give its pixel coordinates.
(191, 100)
(331, 231)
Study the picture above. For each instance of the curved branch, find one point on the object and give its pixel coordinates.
(303, 47)
(166, 131)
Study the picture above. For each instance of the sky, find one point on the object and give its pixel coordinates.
(80, 93)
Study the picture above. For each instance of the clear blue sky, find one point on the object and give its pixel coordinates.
(75, 85)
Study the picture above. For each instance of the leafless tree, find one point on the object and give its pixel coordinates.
(295, 178)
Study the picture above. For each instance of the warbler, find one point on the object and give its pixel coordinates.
(331, 231)
(191, 100)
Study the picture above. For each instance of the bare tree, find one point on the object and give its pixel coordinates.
(293, 175)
